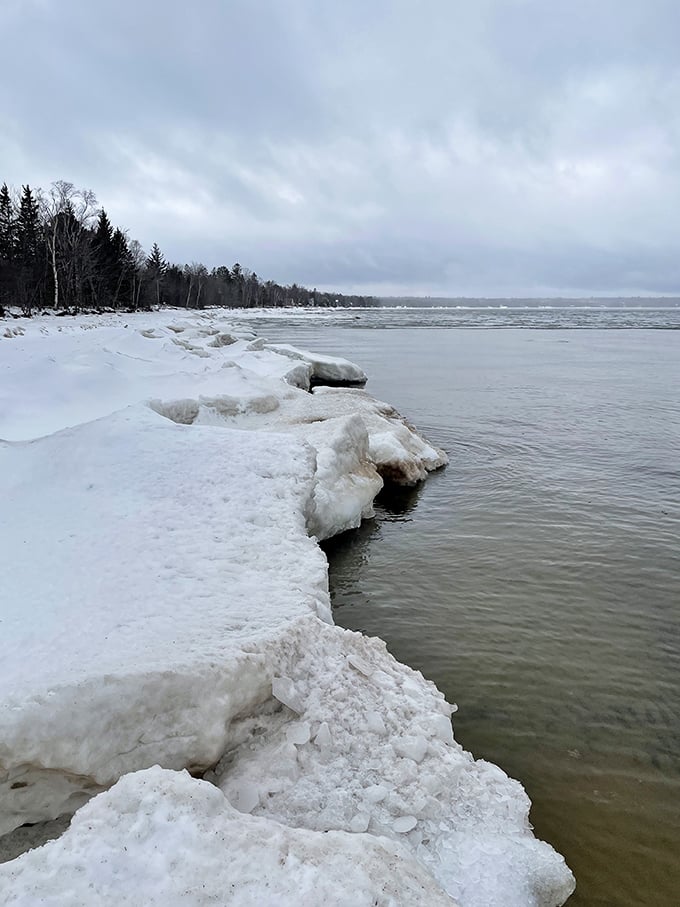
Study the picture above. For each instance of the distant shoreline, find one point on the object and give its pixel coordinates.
(547, 302)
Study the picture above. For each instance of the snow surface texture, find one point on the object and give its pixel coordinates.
(161, 837)
(163, 602)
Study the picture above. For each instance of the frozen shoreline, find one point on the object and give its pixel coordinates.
(166, 604)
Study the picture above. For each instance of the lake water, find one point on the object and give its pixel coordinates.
(536, 580)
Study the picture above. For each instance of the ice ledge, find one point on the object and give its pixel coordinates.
(162, 603)
(324, 370)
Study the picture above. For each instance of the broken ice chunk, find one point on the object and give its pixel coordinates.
(375, 723)
(283, 689)
(375, 793)
(439, 726)
(256, 345)
(286, 761)
(359, 823)
(404, 824)
(245, 797)
(323, 735)
(363, 667)
(446, 708)
(411, 689)
(298, 733)
(323, 612)
(411, 747)
(415, 838)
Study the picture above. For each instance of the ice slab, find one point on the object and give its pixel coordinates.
(330, 369)
(395, 448)
(143, 563)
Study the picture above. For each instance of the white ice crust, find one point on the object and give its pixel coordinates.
(164, 601)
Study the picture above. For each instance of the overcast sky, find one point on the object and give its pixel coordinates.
(441, 147)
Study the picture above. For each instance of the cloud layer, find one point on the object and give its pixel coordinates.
(508, 147)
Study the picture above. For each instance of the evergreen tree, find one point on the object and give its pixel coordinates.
(7, 248)
(28, 226)
(156, 267)
(8, 237)
(174, 286)
(105, 262)
(237, 285)
(28, 246)
(123, 267)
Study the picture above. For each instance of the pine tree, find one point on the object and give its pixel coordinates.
(237, 285)
(28, 237)
(7, 248)
(123, 267)
(106, 276)
(28, 226)
(156, 266)
(8, 235)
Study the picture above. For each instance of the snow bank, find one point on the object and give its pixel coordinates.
(165, 601)
(62, 372)
(160, 838)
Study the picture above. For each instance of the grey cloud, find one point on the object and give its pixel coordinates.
(507, 145)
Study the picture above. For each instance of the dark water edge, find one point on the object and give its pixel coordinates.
(536, 580)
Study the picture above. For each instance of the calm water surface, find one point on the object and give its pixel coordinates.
(536, 580)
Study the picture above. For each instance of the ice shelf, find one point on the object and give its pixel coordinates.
(164, 482)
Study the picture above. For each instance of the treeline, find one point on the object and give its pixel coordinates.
(59, 250)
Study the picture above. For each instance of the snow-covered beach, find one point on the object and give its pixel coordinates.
(164, 479)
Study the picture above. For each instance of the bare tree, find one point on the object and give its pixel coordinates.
(138, 260)
(67, 213)
(196, 274)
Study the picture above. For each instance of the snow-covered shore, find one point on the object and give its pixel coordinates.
(163, 481)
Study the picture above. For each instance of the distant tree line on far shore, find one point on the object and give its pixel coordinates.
(59, 250)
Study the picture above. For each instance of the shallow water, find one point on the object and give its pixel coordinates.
(536, 580)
